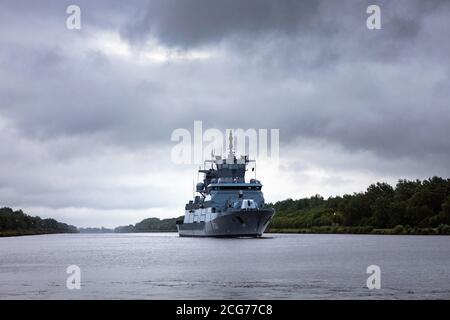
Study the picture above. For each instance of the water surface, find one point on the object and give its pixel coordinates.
(278, 266)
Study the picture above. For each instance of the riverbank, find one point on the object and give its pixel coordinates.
(17, 233)
(398, 230)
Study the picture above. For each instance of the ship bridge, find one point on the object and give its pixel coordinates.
(230, 169)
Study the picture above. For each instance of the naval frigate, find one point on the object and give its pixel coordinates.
(226, 205)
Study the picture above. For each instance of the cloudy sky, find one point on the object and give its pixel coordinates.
(86, 115)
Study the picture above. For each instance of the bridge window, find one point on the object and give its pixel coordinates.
(231, 187)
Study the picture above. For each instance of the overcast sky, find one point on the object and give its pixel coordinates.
(86, 115)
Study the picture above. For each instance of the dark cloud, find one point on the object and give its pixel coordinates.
(197, 22)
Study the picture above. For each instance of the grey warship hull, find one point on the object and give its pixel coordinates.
(236, 223)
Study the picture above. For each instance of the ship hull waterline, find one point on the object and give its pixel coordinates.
(241, 223)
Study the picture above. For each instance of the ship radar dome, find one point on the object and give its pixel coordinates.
(200, 186)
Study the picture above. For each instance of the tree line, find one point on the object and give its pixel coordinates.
(150, 225)
(409, 207)
(95, 230)
(14, 223)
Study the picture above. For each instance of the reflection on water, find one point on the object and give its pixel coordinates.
(164, 266)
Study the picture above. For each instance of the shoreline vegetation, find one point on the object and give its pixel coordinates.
(150, 225)
(410, 208)
(16, 223)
